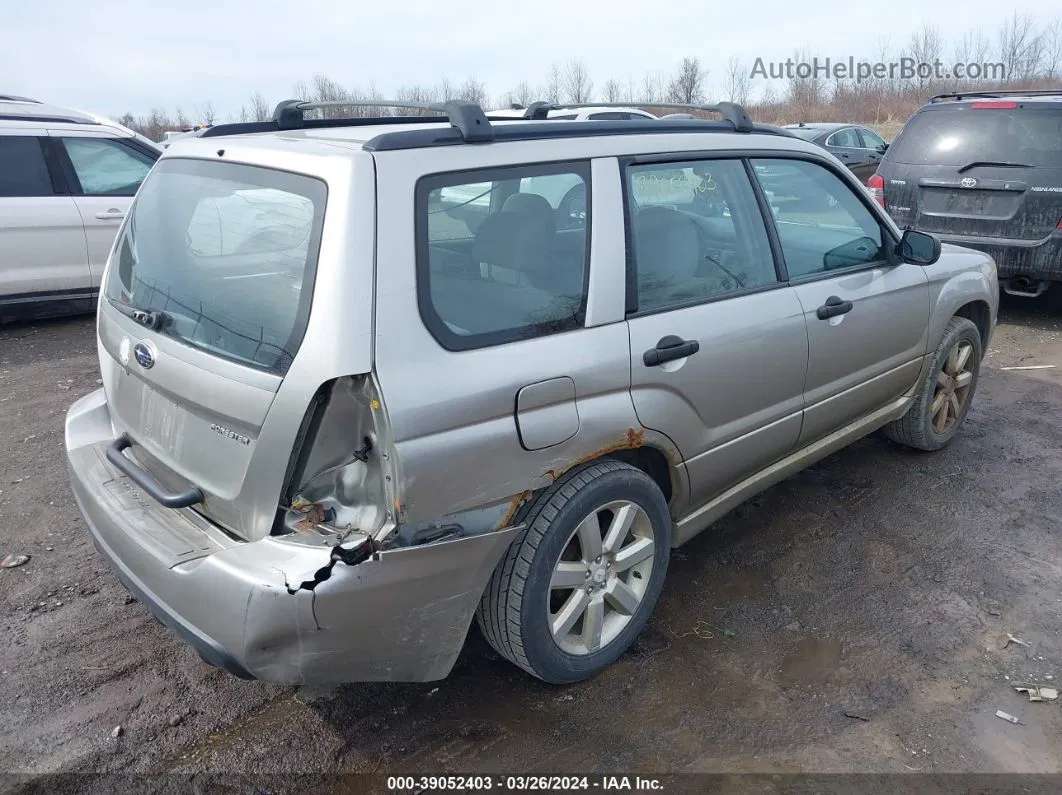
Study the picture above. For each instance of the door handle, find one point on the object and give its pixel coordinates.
(833, 307)
(845, 155)
(111, 215)
(668, 349)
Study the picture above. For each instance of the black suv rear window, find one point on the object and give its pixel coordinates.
(958, 136)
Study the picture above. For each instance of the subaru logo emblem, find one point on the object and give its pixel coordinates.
(968, 182)
(143, 355)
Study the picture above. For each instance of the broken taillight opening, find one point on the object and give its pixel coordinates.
(994, 105)
(876, 188)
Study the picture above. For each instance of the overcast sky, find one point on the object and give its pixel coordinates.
(110, 56)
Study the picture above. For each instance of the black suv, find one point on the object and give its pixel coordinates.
(983, 170)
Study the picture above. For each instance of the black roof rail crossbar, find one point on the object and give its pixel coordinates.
(533, 130)
(468, 117)
(247, 127)
(730, 111)
(958, 96)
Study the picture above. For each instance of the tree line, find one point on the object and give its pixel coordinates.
(1029, 56)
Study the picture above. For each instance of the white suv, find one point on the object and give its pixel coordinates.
(589, 113)
(66, 181)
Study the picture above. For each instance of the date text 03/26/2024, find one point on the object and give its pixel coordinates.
(418, 784)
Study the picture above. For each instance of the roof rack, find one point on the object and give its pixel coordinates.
(730, 111)
(15, 98)
(1017, 92)
(467, 117)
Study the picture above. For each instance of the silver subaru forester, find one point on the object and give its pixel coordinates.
(364, 379)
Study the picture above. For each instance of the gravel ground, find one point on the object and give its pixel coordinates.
(852, 618)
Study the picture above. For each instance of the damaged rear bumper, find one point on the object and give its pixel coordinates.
(401, 615)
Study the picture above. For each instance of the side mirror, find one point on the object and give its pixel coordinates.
(883, 147)
(918, 248)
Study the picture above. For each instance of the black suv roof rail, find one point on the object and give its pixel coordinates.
(15, 98)
(1016, 92)
(473, 125)
(730, 111)
(467, 117)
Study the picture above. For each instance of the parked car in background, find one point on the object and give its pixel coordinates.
(577, 113)
(984, 170)
(66, 181)
(857, 147)
(336, 421)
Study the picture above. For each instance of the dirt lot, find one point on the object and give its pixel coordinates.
(853, 618)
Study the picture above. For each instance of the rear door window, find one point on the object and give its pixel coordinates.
(503, 254)
(846, 138)
(23, 169)
(225, 256)
(697, 233)
(961, 136)
(107, 167)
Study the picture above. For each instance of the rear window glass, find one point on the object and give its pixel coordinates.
(225, 255)
(959, 136)
(503, 254)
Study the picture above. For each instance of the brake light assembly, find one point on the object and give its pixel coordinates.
(876, 188)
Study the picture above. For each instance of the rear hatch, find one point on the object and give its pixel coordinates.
(204, 307)
(985, 169)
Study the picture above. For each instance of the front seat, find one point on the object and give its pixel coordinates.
(668, 251)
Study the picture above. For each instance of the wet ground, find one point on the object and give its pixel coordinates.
(852, 618)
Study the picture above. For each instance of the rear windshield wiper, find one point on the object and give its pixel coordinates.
(976, 163)
(149, 318)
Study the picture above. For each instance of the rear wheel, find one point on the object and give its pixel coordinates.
(575, 590)
(946, 392)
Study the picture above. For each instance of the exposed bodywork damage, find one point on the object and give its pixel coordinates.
(632, 439)
(350, 553)
(346, 478)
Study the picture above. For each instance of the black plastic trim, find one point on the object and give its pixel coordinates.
(539, 130)
(144, 479)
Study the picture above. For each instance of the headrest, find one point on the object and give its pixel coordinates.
(667, 245)
(533, 206)
(512, 240)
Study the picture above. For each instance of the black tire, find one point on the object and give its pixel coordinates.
(915, 428)
(513, 613)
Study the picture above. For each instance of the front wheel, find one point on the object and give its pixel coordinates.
(574, 591)
(946, 392)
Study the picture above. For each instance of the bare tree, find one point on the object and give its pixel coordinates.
(611, 91)
(738, 83)
(521, 95)
(687, 85)
(554, 86)
(259, 110)
(472, 90)
(652, 87)
(181, 121)
(927, 47)
(206, 113)
(1020, 47)
(1052, 51)
(577, 85)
